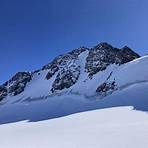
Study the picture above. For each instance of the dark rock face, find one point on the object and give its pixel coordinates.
(67, 68)
(18, 82)
(127, 55)
(100, 57)
(78, 51)
(3, 92)
(106, 87)
(104, 54)
(61, 61)
(66, 78)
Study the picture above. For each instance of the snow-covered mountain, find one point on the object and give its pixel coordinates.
(81, 80)
(103, 79)
(82, 71)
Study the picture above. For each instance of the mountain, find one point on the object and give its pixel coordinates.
(71, 72)
(100, 95)
(81, 80)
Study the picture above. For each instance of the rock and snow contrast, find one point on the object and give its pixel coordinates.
(74, 72)
(104, 86)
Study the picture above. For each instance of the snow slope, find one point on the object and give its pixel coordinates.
(58, 106)
(120, 127)
(124, 75)
(131, 80)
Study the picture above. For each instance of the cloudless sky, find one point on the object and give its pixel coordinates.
(33, 32)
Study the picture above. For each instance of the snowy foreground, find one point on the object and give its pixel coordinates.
(118, 127)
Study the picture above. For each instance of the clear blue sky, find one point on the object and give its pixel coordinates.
(32, 32)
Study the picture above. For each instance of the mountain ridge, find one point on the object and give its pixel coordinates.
(67, 69)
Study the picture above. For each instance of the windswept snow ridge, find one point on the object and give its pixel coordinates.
(119, 127)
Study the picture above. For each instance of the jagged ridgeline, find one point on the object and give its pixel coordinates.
(66, 69)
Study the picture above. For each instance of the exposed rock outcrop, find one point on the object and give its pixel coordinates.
(17, 84)
(106, 88)
(3, 92)
(104, 54)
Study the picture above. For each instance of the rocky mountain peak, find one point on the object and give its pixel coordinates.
(128, 54)
(67, 68)
(103, 45)
(17, 83)
(104, 54)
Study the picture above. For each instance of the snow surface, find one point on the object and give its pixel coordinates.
(120, 127)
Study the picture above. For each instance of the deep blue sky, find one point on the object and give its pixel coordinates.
(32, 32)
